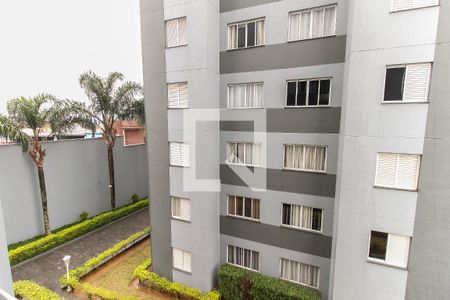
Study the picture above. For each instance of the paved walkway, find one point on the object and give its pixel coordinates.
(48, 268)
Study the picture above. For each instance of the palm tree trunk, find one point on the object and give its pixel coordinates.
(112, 187)
(43, 189)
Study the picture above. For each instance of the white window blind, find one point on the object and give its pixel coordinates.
(178, 95)
(179, 154)
(176, 33)
(312, 23)
(400, 171)
(300, 272)
(305, 158)
(181, 260)
(246, 34)
(181, 208)
(242, 153)
(398, 5)
(243, 257)
(248, 95)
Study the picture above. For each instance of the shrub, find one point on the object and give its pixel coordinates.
(84, 215)
(55, 239)
(76, 274)
(134, 198)
(33, 291)
(104, 294)
(236, 283)
(164, 285)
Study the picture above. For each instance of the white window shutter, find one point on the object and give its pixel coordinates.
(407, 171)
(402, 4)
(184, 95)
(185, 209)
(184, 151)
(173, 95)
(187, 261)
(417, 82)
(386, 166)
(177, 258)
(398, 250)
(182, 31)
(175, 154)
(172, 33)
(424, 3)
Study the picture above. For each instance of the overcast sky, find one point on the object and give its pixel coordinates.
(46, 44)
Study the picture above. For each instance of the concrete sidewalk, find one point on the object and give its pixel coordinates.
(49, 267)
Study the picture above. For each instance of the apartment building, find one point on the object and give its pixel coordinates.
(287, 137)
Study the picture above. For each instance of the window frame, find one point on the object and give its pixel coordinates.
(243, 164)
(245, 84)
(307, 80)
(296, 282)
(246, 22)
(311, 9)
(189, 162)
(302, 228)
(392, 10)
(179, 269)
(395, 66)
(384, 262)
(178, 32)
(176, 217)
(395, 175)
(243, 208)
(178, 83)
(306, 170)
(251, 255)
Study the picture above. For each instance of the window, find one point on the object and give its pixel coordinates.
(246, 34)
(390, 248)
(176, 34)
(243, 257)
(312, 23)
(304, 217)
(398, 171)
(305, 158)
(300, 273)
(181, 208)
(181, 260)
(407, 83)
(247, 95)
(241, 153)
(179, 154)
(313, 92)
(178, 95)
(243, 207)
(398, 5)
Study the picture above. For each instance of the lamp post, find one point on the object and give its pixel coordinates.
(66, 260)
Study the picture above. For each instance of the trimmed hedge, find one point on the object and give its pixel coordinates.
(104, 294)
(237, 283)
(76, 274)
(31, 290)
(174, 289)
(53, 240)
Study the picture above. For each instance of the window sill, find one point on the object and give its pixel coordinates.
(383, 263)
(182, 271)
(181, 220)
(306, 106)
(252, 270)
(177, 108)
(176, 166)
(244, 48)
(244, 218)
(414, 8)
(242, 165)
(133, 145)
(405, 102)
(394, 188)
(305, 171)
(314, 38)
(299, 283)
(301, 229)
(173, 47)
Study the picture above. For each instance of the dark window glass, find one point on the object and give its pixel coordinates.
(231, 206)
(317, 219)
(313, 92)
(251, 34)
(286, 214)
(291, 89)
(239, 206)
(393, 87)
(378, 244)
(231, 254)
(301, 95)
(248, 207)
(247, 256)
(241, 36)
(324, 96)
(255, 260)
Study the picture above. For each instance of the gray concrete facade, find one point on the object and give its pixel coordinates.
(76, 178)
(5, 270)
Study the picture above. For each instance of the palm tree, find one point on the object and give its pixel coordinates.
(111, 100)
(37, 114)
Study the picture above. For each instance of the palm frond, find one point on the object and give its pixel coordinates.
(13, 132)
